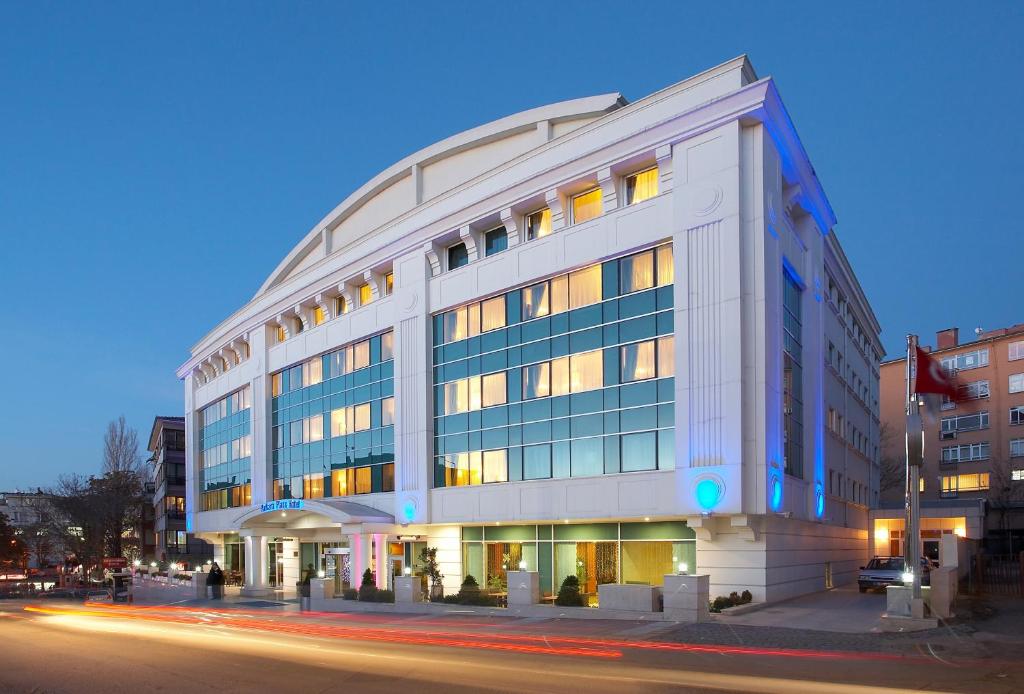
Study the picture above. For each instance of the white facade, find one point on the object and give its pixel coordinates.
(741, 205)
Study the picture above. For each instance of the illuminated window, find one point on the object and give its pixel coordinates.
(636, 272)
(463, 469)
(313, 428)
(586, 371)
(362, 417)
(537, 381)
(641, 186)
(281, 335)
(363, 480)
(638, 361)
(666, 356)
(666, 267)
(318, 316)
(535, 301)
(389, 283)
(458, 256)
(493, 388)
(456, 325)
(312, 372)
(387, 412)
(495, 466)
(313, 486)
(538, 224)
(276, 383)
(584, 287)
(340, 305)
(388, 481)
(456, 396)
(560, 376)
(492, 314)
(475, 399)
(387, 346)
(586, 206)
(342, 421)
(365, 294)
(360, 355)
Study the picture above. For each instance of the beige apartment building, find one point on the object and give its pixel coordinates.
(972, 480)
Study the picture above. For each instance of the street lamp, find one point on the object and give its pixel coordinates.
(908, 577)
(682, 567)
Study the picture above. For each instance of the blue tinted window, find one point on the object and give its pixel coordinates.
(457, 256)
(537, 462)
(587, 457)
(639, 452)
(495, 241)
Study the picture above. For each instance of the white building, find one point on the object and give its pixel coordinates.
(591, 337)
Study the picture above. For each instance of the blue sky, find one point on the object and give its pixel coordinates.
(157, 161)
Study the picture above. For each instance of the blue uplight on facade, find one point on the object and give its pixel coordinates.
(776, 487)
(708, 494)
(409, 510)
(819, 502)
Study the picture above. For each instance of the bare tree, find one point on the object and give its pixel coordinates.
(121, 448)
(1004, 494)
(891, 463)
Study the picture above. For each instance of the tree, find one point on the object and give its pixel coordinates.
(121, 449)
(892, 464)
(1004, 494)
(12, 548)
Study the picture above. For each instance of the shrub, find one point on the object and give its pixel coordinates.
(368, 592)
(350, 594)
(569, 594)
(384, 596)
(722, 602)
(368, 579)
(746, 597)
(451, 599)
(182, 577)
(470, 582)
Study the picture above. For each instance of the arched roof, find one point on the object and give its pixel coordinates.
(556, 116)
(335, 510)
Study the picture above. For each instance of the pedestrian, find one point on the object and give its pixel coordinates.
(215, 580)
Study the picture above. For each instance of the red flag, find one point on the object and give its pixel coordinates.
(932, 378)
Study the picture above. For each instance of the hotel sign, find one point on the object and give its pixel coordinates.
(282, 505)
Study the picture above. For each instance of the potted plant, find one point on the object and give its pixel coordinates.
(428, 560)
(569, 594)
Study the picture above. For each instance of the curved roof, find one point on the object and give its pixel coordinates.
(584, 109)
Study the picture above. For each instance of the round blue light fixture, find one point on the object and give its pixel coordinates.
(776, 489)
(409, 510)
(709, 493)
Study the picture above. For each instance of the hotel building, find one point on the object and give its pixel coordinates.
(594, 338)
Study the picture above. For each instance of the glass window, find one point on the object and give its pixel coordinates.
(536, 381)
(281, 335)
(586, 371)
(537, 462)
(639, 452)
(361, 355)
(456, 325)
(387, 412)
(495, 241)
(636, 272)
(296, 432)
(318, 316)
(535, 301)
(641, 186)
(389, 283)
(312, 372)
(315, 427)
(457, 256)
(341, 421)
(474, 392)
(1016, 448)
(495, 464)
(1015, 351)
(666, 266)
(792, 377)
(456, 396)
(1016, 383)
(494, 392)
(365, 294)
(387, 346)
(538, 224)
(1017, 415)
(586, 206)
(388, 483)
(275, 384)
(340, 305)
(492, 314)
(560, 376)
(584, 287)
(666, 356)
(364, 481)
(362, 416)
(560, 294)
(638, 361)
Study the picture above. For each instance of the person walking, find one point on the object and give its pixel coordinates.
(215, 580)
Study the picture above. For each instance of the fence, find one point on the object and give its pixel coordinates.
(1000, 574)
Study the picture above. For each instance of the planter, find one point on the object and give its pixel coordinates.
(436, 593)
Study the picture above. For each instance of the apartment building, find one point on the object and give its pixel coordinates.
(167, 539)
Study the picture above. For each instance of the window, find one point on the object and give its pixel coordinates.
(495, 464)
(362, 417)
(586, 371)
(537, 462)
(584, 287)
(586, 206)
(457, 256)
(281, 335)
(537, 381)
(636, 272)
(1017, 475)
(340, 305)
(965, 452)
(1017, 415)
(638, 361)
(969, 391)
(463, 469)
(792, 376)
(313, 428)
(972, 482)
(318, 316)
(1016, 448)
(495, 241)
(538, 224)
(965, 422)
(389, 283)
(312, 372)
(360, 355)
(1016, 383)
(639, 452)
(666, 265)
(666, 356)
(535, 301)
(342, 421)
(1015, 351)
(387, 412)
(560, 376)
(493, 389)
(365, 294)
(387, 346)
(968, 360)
(641, 186)
(492, 314)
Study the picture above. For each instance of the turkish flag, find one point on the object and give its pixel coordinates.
(932, 378)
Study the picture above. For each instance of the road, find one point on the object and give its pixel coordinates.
(63, 647)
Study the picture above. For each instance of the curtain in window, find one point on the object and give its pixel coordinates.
(361, 355)
(387, 346)
(642, 186)
(495, 464)
(536, 381)
(363, 480)
(666, 356)
(560, 376)
(586, 206)
(585, 287)
(538, 224)
(362, 417)
(560, 294)
(535, 301)
(387, 412)
(455, 325)
(638, 361)
(493, 311)
(637, 272)
(494, 392)
(666, 268)
(474, 393)
(586, 371)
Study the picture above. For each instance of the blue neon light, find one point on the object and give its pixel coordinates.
(708, 494)
(409, 510)
(776, 494)
(819, 506)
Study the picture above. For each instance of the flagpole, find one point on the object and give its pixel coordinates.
(914, 451)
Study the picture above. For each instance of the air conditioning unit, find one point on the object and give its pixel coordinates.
(947, 435)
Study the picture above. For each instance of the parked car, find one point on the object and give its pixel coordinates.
(888, 571)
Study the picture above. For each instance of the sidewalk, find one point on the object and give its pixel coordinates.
(842, 610)
(151, 593)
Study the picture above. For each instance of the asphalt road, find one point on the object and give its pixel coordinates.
(76, 648)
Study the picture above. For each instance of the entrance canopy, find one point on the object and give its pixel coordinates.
(308, 514)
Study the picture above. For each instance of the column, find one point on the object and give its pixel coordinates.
(380, 543)
(256, 568)
(362, 548)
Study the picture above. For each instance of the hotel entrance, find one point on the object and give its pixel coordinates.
(275, 568)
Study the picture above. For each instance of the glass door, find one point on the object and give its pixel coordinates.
(276, 564)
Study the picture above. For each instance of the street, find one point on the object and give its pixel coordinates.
(64, 647)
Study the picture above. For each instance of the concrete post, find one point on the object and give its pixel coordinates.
(523, 588)
(199, 586)
(256, 569)
(686, 597)
(408, 589)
